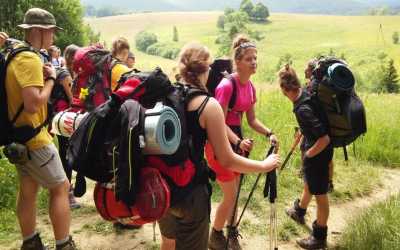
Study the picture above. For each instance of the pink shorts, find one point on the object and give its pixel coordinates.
(222, 173)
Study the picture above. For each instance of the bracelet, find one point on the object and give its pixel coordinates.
(50, 78)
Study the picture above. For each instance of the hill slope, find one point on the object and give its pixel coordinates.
(304, 6)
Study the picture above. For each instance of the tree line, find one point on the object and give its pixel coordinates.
(68, 13)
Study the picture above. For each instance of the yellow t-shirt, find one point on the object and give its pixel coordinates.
(116, 73)
(26, 70)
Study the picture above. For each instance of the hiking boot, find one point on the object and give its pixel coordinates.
(217, 240)
(311, 243)
(297, 213)
(34, 243)
(317, 240)
(73, 204)
(69, 245)
(122, 226)
(330, 186)
(233, 238)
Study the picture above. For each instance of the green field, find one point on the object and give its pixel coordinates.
(358, 38)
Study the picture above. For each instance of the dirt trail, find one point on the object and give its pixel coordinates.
(92, 233)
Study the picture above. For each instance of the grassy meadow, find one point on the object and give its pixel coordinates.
(358, 38)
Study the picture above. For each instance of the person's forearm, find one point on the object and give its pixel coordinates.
(318, 146)
(45, 92)
(40, 97)
(259, 127)
(232, 137)
(240, 164)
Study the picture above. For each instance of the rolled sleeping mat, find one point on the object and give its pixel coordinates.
(162, 130)
(65, 123)
(341, 77)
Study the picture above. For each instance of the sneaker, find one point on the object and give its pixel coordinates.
(233, 238)
(34, 243)
(312, 243)
(122, 226)
(217, 240)
(297, 213)
(69, 245)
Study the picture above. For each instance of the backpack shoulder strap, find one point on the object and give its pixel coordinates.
(10, 56)
(232, 100)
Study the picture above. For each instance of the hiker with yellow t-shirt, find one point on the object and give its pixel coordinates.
(28, 85)
(120, 52)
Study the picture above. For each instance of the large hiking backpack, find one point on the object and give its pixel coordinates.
(9, 133)
(92, 85)
(333, 93)
(182, 167)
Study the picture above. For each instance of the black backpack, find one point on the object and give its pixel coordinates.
(220, 69)
(9, 133)
(333, 94)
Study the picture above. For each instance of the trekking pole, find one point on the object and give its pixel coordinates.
(297, 139)
(271, 149)
(234, 209)
(270, 189)
(236, 204)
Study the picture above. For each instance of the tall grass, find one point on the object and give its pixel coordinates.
(381, 143)
(377, 228)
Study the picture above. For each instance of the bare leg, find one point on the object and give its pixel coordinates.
(330, 170)
(322, 209)
(225, 208)
(305, 197)
(26, 205)
(59, 210)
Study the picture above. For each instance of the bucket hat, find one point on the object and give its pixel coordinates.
(39, 18)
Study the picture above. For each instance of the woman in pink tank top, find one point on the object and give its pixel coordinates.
(245, 59)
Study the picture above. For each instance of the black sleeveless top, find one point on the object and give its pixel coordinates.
(199, 135)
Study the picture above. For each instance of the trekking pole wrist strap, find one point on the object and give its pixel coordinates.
(237, 145)
(269, 134)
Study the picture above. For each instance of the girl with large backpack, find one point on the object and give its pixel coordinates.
(186, 224)
(245, 60)
(317, 152)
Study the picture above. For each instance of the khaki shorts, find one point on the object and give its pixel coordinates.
(188, 222)
(44, 166)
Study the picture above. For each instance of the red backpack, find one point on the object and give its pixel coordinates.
(92, 86)
(152, 200)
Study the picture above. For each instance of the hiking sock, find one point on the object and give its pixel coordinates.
(300, 211)
(62, 241)
(319, 232)
(31, 236)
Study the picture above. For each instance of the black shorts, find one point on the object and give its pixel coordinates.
(316, 171)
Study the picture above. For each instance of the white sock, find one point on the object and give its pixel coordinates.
(30, 236)
(60, 242)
